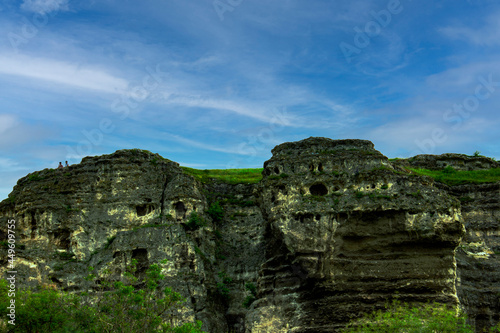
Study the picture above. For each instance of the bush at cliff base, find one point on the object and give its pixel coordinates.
(422, 319)
(117, 307)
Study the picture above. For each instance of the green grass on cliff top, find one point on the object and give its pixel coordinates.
(447, 176)
(229, 176)
(450, 176)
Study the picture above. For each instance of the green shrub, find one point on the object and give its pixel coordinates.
(248, 301)
(253, 294)
(216, 212)
(65, 255)
(426, 318)
(222, 285)
(35, 177)
(251, 288)
(109, 240)
(195, 222)
(117, 306)
(417, 194)
(449, 169)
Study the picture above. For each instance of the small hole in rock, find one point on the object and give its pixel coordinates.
(141, 210)
(318, 189)
(180, 209)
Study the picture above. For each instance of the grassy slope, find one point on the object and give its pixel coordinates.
(454, 177)
(252, 176)
(230, 176)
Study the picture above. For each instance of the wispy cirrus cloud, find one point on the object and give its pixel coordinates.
(486, 35)
(44, 6)
(60, 72)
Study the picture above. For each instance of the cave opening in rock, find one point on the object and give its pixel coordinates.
(180, 209)
(142, 210)
(141, 255)
(63, 237)
(318, 189)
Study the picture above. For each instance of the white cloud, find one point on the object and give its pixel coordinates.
(487, 35)
(7, 122)
(465, 78)
(44, 6)
(227, 105)
(64, 73)
(206, 146)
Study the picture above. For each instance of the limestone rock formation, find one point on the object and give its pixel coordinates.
(347, 233)
(333, 230)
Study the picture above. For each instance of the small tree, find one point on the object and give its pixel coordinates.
(123, 307)
(115, 306)
(216, 212)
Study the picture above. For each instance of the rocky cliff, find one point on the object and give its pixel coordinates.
(334, 229)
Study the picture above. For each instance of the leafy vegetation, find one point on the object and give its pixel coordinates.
(65, 255)
(451, 176)
(216, 212)
(229, 176)
(109, 240)
(398, 317)
(116, 306)
(222, 285)
(195, 222)
(35, 177)
(280, 176)
(253, 294)
(359, 194)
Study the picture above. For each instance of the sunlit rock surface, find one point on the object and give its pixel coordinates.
(333, 230)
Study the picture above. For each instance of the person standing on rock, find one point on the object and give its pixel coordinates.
(67, 164)
(60, 166)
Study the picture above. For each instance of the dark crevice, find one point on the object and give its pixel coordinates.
(33, 225)
(162, 200)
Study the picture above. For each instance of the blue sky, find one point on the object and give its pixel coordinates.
(217, 84)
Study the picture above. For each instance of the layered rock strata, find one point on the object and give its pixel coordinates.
(347, 233)
(333, 230)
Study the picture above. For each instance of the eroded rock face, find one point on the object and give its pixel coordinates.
(346, 233)
(478, 256)
(456, 161)
(333, 230)
(108, 210)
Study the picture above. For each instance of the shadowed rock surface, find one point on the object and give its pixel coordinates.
(333, 230)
